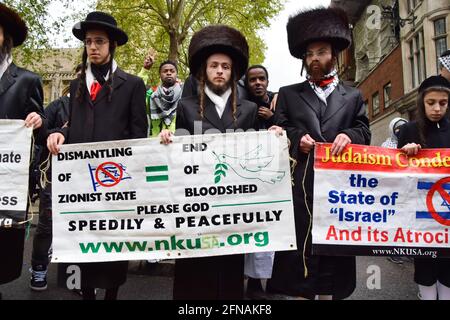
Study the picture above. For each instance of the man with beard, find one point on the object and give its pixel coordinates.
(256, 83)
(218, 58)
(20, 98)
(106, 104)
(321, 109)
(164, 101)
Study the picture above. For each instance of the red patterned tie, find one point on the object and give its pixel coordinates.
(95, 88)
(324, 83)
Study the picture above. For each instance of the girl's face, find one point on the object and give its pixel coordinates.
(436, 104)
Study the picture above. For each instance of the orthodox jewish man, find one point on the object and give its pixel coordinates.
(20, 98)
(218, 58)
(320, 109)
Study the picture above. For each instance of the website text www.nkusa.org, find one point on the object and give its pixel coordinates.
(259, 239)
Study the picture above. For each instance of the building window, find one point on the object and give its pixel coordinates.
(440, 38)
(375, 104)
(411, 63)
(417, 59)
(387, 95)
(412, 5)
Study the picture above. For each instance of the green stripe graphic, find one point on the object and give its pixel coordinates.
(157, 178)
(156, 169)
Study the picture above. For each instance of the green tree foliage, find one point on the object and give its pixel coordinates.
(43, 32)
(168, 25)
(34, 13)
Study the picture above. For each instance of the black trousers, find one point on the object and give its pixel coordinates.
(43, 236)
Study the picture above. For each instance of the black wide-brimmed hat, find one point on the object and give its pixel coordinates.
(13, 24)
(218, 39)
(322, 24)
(434, 81)
(102, 21)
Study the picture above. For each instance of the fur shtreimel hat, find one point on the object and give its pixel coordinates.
(102, 21)
(218, 39)
(321, 24)
(13, 24)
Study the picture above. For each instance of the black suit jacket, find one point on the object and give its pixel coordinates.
(188, 116)
(124, 117)
(219, 277)
(299, 111)
(20, 94)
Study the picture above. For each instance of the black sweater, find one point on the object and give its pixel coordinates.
(436, 136)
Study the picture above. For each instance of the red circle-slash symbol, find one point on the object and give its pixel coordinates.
(438, 186)
(101, 168)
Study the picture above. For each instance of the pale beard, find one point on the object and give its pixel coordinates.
(218, 89)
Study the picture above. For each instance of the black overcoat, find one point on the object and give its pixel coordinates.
(428, 271)
(121, 118)
(124, 117)
(300, 112)
(221, 277)
(20, 94)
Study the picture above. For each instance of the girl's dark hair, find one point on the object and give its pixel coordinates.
(81, 90)
(421, 115)
(201, 90)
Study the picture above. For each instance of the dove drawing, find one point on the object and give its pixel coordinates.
(252, 165)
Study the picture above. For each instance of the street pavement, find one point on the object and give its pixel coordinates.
(377, 279)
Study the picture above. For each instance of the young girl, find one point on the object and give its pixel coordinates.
(431, 130)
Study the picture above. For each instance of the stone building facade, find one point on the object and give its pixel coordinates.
(395, 47)
(57, 69)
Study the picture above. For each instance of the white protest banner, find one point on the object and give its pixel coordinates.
(200, 196)
(378, 201)
(15, 148)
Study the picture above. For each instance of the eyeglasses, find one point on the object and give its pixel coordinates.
(321, 53)
(97, 41)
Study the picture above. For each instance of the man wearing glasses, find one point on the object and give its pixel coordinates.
(321, 109)
(106, 104)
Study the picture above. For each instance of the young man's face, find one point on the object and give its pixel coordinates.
(168, 75)
(257, 82)
(218, 72)
(319, 59)
(97, 46)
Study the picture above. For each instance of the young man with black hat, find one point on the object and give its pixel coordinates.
(218, 58)
(106, 104)
(321, 109)
(21, 97)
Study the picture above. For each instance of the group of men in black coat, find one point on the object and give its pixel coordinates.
(108, 104)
